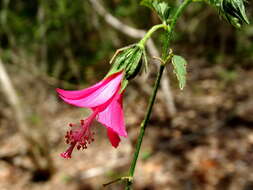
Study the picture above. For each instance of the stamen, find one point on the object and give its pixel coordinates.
(79, 135)
(68, 152)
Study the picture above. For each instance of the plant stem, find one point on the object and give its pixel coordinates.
(144, 125)
(150, 32)
(155, 89)
(175, 17)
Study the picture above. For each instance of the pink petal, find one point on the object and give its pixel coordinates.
(77, 94)
(113, 116)
(94, 96)
(113, 137)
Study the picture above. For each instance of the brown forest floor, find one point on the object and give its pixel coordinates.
(207, 146)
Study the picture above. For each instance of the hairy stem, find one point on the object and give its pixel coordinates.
(155, 89)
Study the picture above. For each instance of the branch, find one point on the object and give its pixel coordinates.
(115, 23)
(31, 139)
(138, 34)
(12, 98)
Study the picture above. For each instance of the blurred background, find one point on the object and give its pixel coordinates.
(200, 138)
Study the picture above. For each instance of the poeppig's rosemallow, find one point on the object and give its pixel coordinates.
(105, 101)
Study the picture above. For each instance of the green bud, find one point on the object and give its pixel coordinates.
(129, 61)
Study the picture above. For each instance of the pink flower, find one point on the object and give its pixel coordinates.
(105, 101)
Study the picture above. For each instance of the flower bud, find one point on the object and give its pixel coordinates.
(129, 60)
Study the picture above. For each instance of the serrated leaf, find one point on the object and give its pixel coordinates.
(236, 9)
(161, 8)
(179, 66)
(232, 10)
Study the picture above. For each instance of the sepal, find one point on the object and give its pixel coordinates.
(129, 61)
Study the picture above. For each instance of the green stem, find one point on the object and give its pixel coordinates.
(175, 17)
(150, 32)
(158, 79)
(144, 125)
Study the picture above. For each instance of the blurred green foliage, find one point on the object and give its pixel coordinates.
(65, 39)
(146, 155)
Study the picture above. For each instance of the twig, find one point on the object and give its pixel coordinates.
(12, 98)
(137, 33)
(33, 146)
(126, 178)
(115, 23)
(41, 75)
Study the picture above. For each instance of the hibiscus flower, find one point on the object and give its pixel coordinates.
(105, 101)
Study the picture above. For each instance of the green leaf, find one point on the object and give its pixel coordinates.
(179, 65)
(236, 9)
(232, 10)
(146, 155)
(161, 8)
